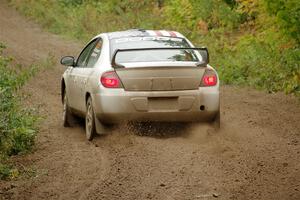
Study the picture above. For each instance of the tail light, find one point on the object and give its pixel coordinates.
(209, 78)
(110, 80)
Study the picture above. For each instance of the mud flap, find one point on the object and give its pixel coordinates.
(101, 129)
(71, 120)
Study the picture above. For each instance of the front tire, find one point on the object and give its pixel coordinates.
(90, 129)
(67, 115)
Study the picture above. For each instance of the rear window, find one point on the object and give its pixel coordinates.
(152, 55)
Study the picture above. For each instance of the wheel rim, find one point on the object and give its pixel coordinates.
(89, 120)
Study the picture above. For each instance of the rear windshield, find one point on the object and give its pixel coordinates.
(152, 55)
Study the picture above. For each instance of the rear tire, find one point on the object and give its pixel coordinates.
(90, 129)
(67, 115)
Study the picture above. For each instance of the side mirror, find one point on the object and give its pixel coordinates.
(68, 61)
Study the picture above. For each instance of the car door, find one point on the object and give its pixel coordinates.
(86, 73)
(77, 100)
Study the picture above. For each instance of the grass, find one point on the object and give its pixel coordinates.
(18, 124)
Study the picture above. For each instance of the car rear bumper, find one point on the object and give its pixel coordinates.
(117, 105)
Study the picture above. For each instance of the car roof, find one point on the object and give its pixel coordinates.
(143, 33)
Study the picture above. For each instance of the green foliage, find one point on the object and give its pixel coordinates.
(179, 13)
(262, 66)
(251, 42)
(82, 19)
(188, 15)
(68, 3)
(231, 3)
(17, 124)
(8, 172)
(287, 14)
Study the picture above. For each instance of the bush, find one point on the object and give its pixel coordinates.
(17, 124)
(261, 66)
(287, 14)
(188, 16)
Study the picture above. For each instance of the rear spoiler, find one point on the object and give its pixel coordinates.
(205, 54)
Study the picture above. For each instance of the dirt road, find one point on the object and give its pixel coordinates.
(256, 155)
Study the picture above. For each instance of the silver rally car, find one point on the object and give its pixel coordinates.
(139, 75)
